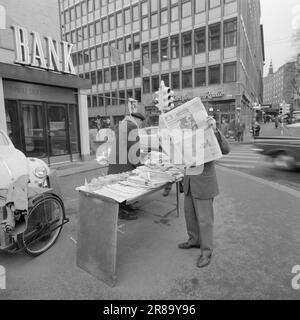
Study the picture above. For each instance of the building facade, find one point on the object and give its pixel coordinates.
(280, 86)
(208, 48)
(43, 104)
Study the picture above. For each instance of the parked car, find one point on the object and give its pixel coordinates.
(284, 151)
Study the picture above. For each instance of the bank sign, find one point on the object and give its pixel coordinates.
(48, 54)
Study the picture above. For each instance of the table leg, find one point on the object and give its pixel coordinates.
(177, 199)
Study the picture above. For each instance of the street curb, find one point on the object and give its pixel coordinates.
(272, 184)
(70, 172)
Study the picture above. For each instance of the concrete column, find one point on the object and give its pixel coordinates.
(3, 125)
(84, 124)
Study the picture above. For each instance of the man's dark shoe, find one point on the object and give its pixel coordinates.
(187, 245)
(203, 261)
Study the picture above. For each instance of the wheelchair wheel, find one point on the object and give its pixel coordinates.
(45, 222)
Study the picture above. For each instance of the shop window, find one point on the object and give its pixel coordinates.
(122, 99)
(137, 94)
(165, 79)
(200, 40)
(155, 83)
(106, 76)
(127, 18)
(119, 19)
(200, 77)
(154, 20)
(154, 52)
(99, 76)
(137, 69)
(164, 46)
(230, 33)
(175, 80)
(186, 8)
(175, 47)
(214, 36)
(104, 25)
(229, 71)
(129, 70)
(113, 73)
(200, 6)
(187, 44)
(214, 74)
(187, 80)
(128, 45)
(121, 72)
(111, 22)
(136, 41)
(146, 85)
(214, 4)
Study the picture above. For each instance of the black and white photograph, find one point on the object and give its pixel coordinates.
(94, 204)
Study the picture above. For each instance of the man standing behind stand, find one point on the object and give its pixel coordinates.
(200, 191)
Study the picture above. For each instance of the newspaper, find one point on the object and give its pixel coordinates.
(186, 136)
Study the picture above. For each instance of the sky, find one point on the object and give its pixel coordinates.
(280, 18)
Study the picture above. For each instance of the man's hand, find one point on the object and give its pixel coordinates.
(211, 122)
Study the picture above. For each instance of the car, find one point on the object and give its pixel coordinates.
(284, 151)
(13, 164)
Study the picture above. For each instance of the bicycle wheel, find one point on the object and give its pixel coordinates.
(45, 222)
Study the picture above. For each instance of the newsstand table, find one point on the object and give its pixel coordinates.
(98, 229)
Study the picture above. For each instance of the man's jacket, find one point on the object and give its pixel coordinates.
(205, 185)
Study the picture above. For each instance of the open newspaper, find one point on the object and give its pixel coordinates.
(186, 136)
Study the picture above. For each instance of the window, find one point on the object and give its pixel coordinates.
(145, 8)
(83, 8)
(100, 100)
(120, 45)
(103, 3)
(98, 52)
(85, 32)
(154, 20)
(104, 25)
(90, 5)
(146, 85)
(175, 47)
(135, 13)
(136, 41)
(128, 44)
(214, 74)
(113, 72)
(186, 8)
(91, 30)
(72, 14)
(229, 72)
(199, 6)
(121, 72)
(165, 79)
(145, 23)
(99, 76)
(87, 75)
(67, 16)
(187, 44)
(93, 77)
(230, 33)
(111, 22)
(114, 99)
(129, 70)
(145, 54)
(137, 94)
(214, 36)
(106, 76)
(137, 69)
(164, 49)
(145, 20)
(155, 83)
(107, 99)
(92, 54)
(119, 19)
(127, 18)
(97, 4)
(122, 97)
(200, 77)
(97, 27)
(80, 58)
(214, 3)
(187, 80)
(175, 80)
(200, 40)
(73, 36)
(105, 50)
(129, 94)
(163, 4)
(86, 56)
(164, 17)
(154, 52)
(78, 11)
(174, 13)
(79, 35)
(154, 6)
(74, 59)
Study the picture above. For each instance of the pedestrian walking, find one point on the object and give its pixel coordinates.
(200, 191)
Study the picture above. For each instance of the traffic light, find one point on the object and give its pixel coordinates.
(168, 97)
(159, 100)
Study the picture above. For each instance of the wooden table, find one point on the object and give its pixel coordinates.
(98, 229)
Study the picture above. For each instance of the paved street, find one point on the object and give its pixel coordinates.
(256, 245)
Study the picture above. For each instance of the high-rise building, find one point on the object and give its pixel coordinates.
(208, 48)
(279, 86)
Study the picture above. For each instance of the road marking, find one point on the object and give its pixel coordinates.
(73, 240)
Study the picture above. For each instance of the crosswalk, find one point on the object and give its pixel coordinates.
(240, 159)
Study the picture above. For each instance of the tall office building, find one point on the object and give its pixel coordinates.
(208, 48)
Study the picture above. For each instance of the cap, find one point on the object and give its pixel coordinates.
(138, 115)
